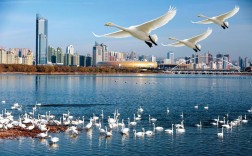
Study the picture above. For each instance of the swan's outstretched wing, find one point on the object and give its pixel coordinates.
(117, 34)
(207, 21)
(228, 14)
(158, 22)
(176, 44)
(200, 37)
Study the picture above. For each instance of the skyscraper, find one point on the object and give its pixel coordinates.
(41, 40)
(170, 55)
(70, 49)
(100, 53)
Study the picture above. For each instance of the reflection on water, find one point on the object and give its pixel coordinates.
(84, 95)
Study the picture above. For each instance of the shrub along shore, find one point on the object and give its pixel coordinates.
(49, 69)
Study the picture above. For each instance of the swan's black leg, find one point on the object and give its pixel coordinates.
(195, 50)
(223, 27)
(148, 43)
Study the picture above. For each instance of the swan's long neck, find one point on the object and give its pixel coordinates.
(119, 27)
(172, 38)
(203, 16)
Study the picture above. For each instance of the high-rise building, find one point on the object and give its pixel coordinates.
(51, 54)
(3, 56)
(170, 55)
(100, 53)
(70, 49)
(60, 56)
(41, 40)
(225, 62)
(76, 59)
(153, 59)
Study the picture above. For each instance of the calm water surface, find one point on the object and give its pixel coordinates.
(84, 95)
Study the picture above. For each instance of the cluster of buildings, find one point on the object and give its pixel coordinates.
(16, 56)
(102, 56)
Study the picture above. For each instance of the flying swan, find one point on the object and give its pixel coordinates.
(219, 20)
(142, 31)
(191, 42)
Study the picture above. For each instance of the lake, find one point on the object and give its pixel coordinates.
(88, 95)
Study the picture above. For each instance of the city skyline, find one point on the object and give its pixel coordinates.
(75, 26)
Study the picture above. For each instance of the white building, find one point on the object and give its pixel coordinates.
(70, 49)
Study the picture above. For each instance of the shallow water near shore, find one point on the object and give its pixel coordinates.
(83, 95)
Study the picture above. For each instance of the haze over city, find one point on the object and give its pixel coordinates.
(72, 22)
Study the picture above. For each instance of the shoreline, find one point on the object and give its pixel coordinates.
(105, 73)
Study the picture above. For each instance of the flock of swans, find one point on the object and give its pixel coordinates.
(28, 121)
(142, 31)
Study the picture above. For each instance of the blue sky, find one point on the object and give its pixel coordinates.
(73, 21)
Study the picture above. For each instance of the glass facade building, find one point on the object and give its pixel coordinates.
(41, 40)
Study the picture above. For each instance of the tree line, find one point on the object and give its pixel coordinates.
(63, 69)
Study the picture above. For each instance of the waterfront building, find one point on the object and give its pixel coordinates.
(89, 60)
(28, 58)
(128, 64)
(132, 56)
(100, 53)
(225, 62)
(153, 59)
(116, 56)
(51, 54)
(241, 63)
(188, 60)
(60, 56)
(41, 40)
(68, 59)
(76, 59)
(3, 56)
(170, 55)
(142, 58)
(70, 49)
(11, 58)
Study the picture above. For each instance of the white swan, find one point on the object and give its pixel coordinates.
(43, 135)
(219, 20)
(140, 109)
(191, 42)
(199, 125)
(125, 130)
(157, 128)
(170, 131)
(196, 106)
(139, 134)
(206, 107)
(180, 127)
(107, 133)
(89, 125)
(220, 134)
(53, 140)
(149, 133)
(133, 123)
(245, 119)
(250, 110)
(152, 119)
(167, 110)
(142, 31)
